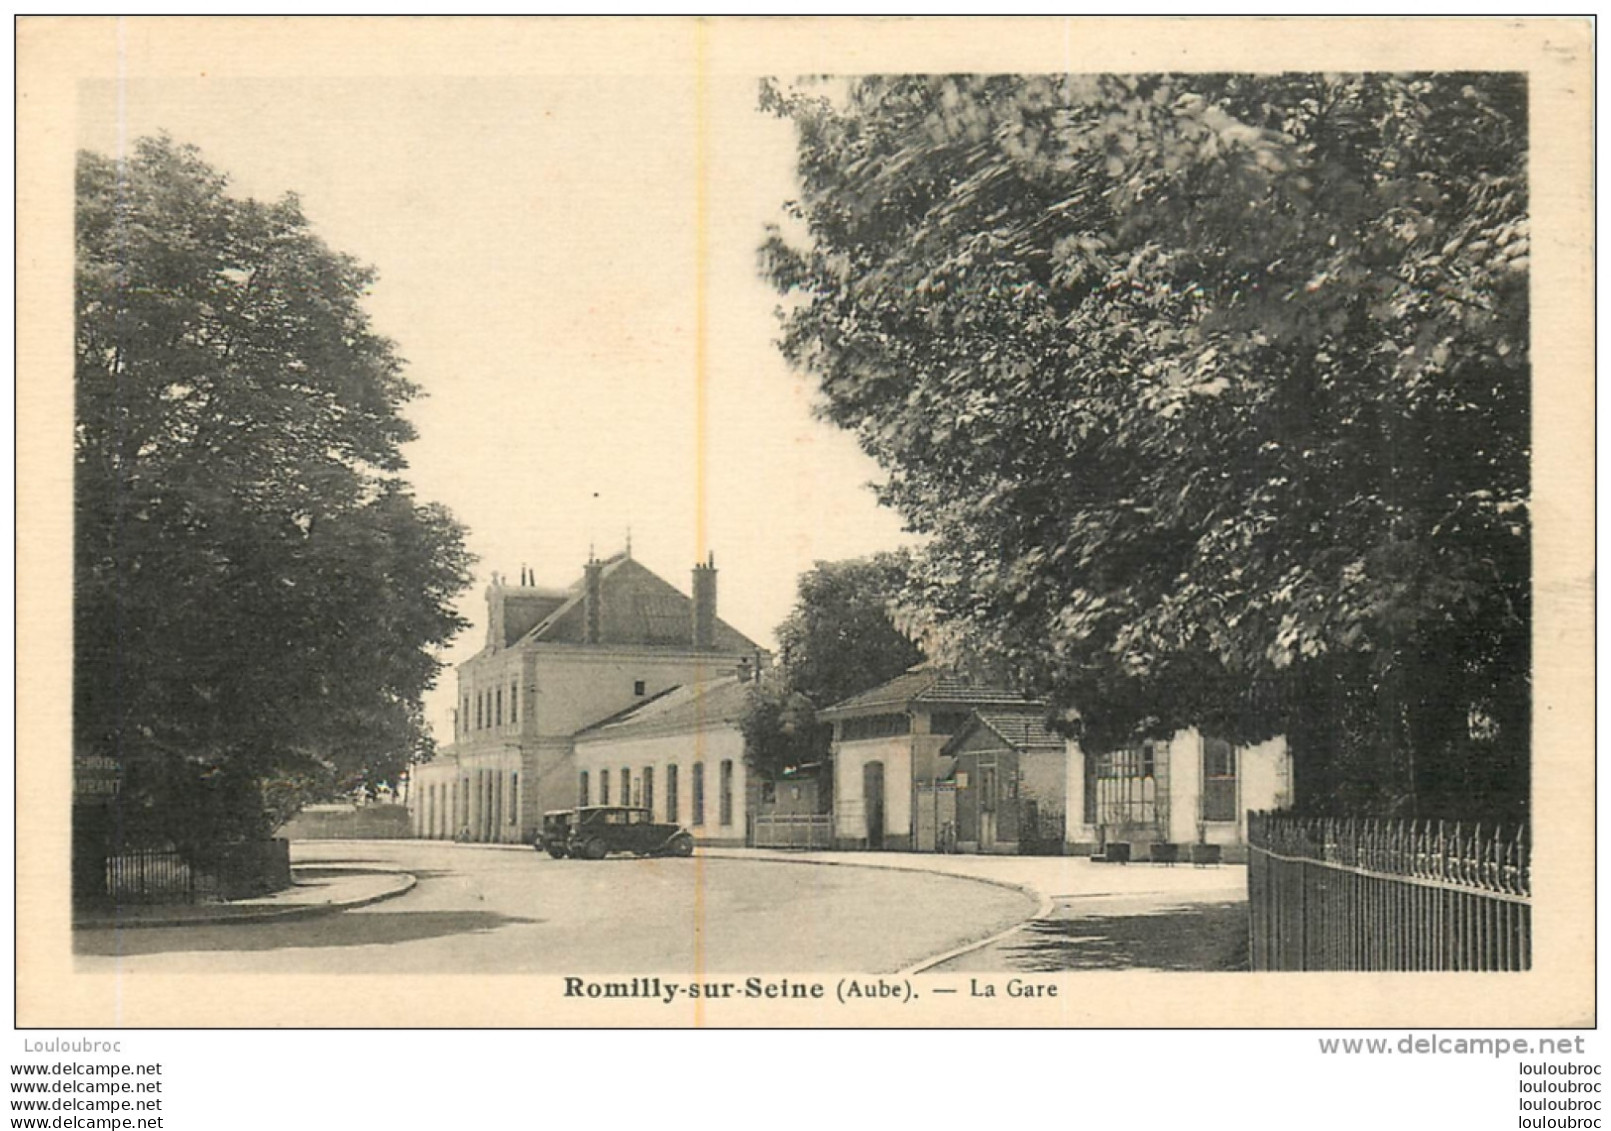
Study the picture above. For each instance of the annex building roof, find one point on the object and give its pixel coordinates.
(1023, 731)
(927, 685)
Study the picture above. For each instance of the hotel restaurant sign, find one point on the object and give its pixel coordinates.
(95, 778)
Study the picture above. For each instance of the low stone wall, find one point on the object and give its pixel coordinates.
(372, 822)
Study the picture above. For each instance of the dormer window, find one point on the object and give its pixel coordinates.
(638, 687)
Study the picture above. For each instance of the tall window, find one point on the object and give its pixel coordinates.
(514, 798)
(514, 701)
(671, 793)
(604, 787)
(1219, 780)
(581, 789)
(648, 788)
(464, 719)
(626, 786)
(727, 791)
(697, 796)
(497, 711)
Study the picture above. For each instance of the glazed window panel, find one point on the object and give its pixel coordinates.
(697, 796)
(727, 792)
(582, 789)
(1128, 788)
(604, 787)
(874, 726)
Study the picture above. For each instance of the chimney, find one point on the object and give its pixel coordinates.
(592, 600)
(705, 604)
(495, 632)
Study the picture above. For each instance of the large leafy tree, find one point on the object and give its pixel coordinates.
(839, 640)
(1211, 393)
(259, 599)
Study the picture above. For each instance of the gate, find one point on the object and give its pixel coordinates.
(935, 816)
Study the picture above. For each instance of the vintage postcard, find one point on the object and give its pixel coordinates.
(805, 522)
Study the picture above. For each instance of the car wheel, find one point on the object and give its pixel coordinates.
(557, 853)
(681, 845)
(595, 849)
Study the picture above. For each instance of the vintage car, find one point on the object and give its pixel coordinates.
(594, 831)
(554, 837)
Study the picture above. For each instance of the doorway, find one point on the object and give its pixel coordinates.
(872, 789)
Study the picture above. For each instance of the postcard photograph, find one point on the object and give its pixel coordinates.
(814, 523)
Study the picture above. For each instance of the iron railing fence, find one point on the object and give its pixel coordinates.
(163, 875)
(794, 831)
(150, 875)
(1338, 894)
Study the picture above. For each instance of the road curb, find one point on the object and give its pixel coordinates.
(1043, 902)
(406, 882)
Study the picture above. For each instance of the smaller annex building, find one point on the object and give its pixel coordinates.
(931, 762)
(1010, 777)
(892, 785)
(679, 754)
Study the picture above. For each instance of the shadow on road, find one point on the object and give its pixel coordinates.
(1208, 936)
(348, 928)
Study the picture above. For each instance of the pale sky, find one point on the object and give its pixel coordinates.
(537, 243)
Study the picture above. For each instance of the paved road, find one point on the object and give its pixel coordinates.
(484, 910)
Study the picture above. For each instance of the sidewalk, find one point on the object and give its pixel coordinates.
(1048, 878)
(315, 890)
(1090, 915)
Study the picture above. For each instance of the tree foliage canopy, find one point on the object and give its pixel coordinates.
(839, 640)
(1211, 393)
(259, 598)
